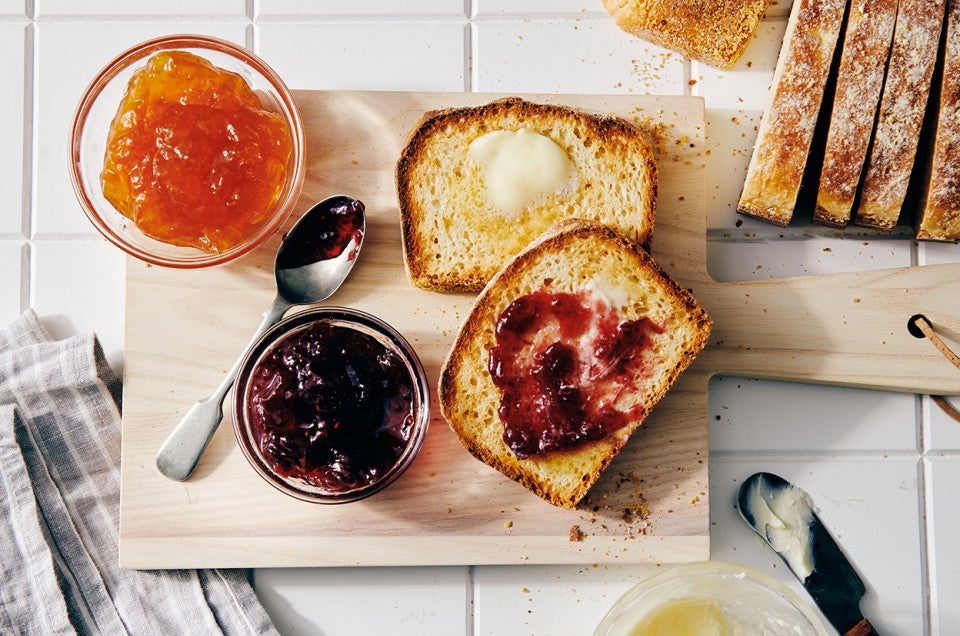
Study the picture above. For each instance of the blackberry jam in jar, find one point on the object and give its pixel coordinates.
(331, 405)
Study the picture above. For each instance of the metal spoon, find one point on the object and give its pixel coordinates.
(312, 262)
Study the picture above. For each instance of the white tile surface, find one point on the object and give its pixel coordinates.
(869, 505)
(943, 518)
(13, 8)
(348, 601)
(537, 7)
(13, 269)
(740, 255)
(931, 253)
(77, 287)
(12, 139)
(538, 600)
(798, 417)
(107, 8)
(570, 56)
(299, 8)
(368, 55)
(61, 77)
(942, 432)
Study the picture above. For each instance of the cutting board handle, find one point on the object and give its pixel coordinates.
(848, 329)
(863, 628)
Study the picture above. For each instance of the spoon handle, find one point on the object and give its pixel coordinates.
(181, 451)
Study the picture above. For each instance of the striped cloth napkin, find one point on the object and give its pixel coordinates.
(60, 505)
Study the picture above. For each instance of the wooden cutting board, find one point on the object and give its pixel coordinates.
(185, 328)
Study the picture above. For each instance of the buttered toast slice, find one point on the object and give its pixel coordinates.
(565, 353)
(476, 185)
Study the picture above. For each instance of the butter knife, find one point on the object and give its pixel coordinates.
(781, 514)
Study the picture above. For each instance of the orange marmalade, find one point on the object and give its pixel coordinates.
(193, 158)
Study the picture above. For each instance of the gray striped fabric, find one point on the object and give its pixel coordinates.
(59, 511)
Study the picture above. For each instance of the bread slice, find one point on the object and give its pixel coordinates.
(600, 266)
(455, 234)
(866, 48)
(786, 129)
(715, 32)
(906, 92)
(940, 215)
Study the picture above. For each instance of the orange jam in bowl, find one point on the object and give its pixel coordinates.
(192, 156)
(187, 151)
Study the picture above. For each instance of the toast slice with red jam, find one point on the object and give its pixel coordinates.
(565, 353)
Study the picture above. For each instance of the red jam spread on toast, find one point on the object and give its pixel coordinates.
(326, 235)
(563, 363)
(332, 406)
(192, 156)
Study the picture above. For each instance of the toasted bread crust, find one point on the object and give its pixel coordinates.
(940, 215)
(715, 31)
(780, 154)
(483, 438)
(419, 245)
(866, 48)
(906, 92)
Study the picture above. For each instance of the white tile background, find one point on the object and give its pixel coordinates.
(880, 467)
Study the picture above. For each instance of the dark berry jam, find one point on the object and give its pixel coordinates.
(331, 406)
(325, 235)
(562, 362)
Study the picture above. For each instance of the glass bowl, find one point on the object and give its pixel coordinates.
(97, 109)
(750, 602)
(331, 405)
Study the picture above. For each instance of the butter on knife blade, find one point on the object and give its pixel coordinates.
(781, 514)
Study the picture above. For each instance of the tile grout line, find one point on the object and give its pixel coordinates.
(925, 510)
(28, 257)
(927, 562)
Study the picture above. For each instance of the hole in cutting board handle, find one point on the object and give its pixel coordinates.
(912, 327)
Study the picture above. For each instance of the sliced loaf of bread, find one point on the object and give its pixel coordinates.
(780, 154)
(866, 48)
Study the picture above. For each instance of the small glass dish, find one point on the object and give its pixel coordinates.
(320, 399)
(93, 119)
(750, 602)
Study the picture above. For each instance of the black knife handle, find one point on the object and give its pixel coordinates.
(863, 628)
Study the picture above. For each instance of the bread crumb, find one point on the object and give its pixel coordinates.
(508, 524)
(856, 299)
(525, 590)
(576, 534)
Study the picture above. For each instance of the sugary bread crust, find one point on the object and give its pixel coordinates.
(780, 154)
(866, 48)
(905, 94)
(711, 31)
(466, 363)
(940, 215)
(418, 247)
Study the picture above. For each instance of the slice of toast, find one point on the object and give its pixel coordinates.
(940, 215)
(601, 272)
(866, 48)
(715, 32)
(456, 231)
(906, 92)
(786, 129)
